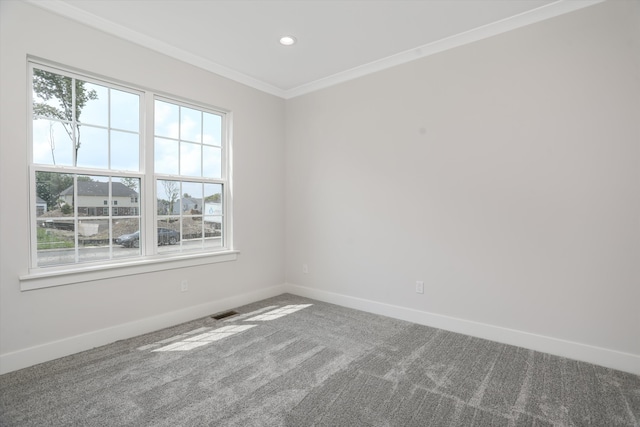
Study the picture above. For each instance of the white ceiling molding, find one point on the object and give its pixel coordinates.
(530, 17)
(535, 15)
(65, 9)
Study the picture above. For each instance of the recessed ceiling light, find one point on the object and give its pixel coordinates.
(287, 40)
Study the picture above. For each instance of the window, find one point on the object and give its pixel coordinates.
(188, 166)
(90, 151)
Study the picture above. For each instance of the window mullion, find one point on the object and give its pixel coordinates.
(148, 216)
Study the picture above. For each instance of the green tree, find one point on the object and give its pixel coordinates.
(49, 185)
(214, 198)
(132, 183)
(67, 209)
(56, 89)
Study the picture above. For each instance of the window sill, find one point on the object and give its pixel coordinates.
(80, 273)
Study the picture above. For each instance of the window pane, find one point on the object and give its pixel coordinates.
(93, 147)
(213, 231)
(40, 206)
(190, 159)
(212, 162)
(125, 151)
(213, 199)
(192, 228)
(55, 242)
(93, 240)
(190, 125)
(126, 237)
(56, 190)
(168, 193)
(213, 216)
(191, 201)
(125, 195)
(166, 156)
(92, 104)
(52, 95)
(92, 192)
(125, 110)
(167, 119)
(168, 234)
(212, 129)
(52, 143)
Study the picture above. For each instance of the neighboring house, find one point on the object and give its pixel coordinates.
(190, 206)
(41, 206)
(187, 204)
(193, 206)
(93, 199)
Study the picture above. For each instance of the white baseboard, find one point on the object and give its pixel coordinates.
(599, 356)
(64, 347)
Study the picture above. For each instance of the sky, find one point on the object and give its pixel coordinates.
(187, 141)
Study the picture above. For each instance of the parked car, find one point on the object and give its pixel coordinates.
(166, 236)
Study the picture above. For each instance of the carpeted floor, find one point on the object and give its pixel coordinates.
(291, 361)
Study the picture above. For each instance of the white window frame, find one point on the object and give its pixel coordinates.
(150, 260)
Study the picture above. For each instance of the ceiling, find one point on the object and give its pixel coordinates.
(337, 39)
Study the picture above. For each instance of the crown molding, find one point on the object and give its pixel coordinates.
(526, 18)
(542, 13)
(66, 10)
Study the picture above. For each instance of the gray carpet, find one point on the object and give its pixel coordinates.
(317, 364)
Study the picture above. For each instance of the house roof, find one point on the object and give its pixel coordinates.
(93, 188)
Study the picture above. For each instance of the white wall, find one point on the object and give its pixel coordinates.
(505, 174)
(42, 324)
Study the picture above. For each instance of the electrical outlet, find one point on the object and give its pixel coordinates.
(305, 268)
(420, 287)
(184, 286)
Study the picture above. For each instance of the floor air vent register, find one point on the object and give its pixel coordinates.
(224, 315)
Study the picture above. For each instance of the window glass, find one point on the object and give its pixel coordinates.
(191, 206)
(212, 129)
(124, 153)
(125, 110)
(190, 125)
(167, 119)
(71, 129)
(190, 159)
(167, 156)
(52, 142)
(212, 162)
(93, 147)
(95, 109)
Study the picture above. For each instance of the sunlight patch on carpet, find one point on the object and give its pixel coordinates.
(277, 313)
(173, 338)
(253, 313)
(207, 338)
